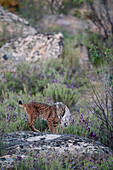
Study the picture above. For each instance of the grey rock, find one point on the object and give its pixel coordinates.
(34, 47)
(23, 142)
(14, 25)
(72, 25)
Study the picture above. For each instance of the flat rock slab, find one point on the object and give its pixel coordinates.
(23, 142)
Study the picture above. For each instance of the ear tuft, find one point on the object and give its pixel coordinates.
(20, 102)
(64, 107)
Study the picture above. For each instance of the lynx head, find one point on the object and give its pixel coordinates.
(60, 108)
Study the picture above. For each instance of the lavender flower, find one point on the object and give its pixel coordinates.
(48, 162)
(73, 163)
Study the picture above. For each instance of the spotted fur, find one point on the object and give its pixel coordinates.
(52, 114)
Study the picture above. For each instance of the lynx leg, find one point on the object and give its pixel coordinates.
(56, 127)
(31, 125)
(50, 126)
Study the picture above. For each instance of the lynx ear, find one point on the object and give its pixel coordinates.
(57, 107)
(20, 103)
(64, 107)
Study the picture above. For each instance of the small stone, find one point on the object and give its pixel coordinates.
(5, 57)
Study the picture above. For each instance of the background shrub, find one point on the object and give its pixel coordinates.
(62, 93)
(71, 57)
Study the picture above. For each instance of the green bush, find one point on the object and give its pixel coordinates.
(4, 35)
(27, 78)
(71, 58)
(33, 11)
(53, 65)
(98, 50)
(62, 93)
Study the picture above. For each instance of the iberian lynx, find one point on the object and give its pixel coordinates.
(52, 114)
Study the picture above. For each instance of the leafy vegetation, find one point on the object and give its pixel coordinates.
(62, 163)
(58, 80)
(59, 92)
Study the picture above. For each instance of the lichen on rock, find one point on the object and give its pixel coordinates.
(23, 142)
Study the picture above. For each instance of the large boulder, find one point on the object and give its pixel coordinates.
(34, 47)
(72, 25)
(24, 43)
(13, 25)
(21, 143)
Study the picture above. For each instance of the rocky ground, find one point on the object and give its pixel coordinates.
(69, 23)
(25, 43)
(23, 142)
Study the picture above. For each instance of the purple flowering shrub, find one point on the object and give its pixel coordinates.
(86, 125)
(51, 162)
(13, 118)
(106, 163)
